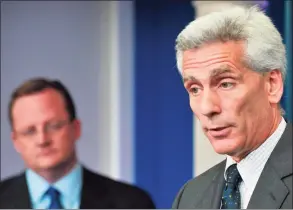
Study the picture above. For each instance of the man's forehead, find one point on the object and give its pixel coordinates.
(212, 51)
(43, 101)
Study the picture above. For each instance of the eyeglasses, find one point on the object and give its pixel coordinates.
(49, 128)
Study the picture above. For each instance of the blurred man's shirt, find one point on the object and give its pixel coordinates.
(69, 187)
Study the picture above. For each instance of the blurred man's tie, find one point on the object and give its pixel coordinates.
(55, 198)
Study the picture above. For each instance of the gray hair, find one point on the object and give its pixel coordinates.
(264, 48)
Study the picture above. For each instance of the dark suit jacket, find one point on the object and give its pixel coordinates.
(97, 192)
(273, 189)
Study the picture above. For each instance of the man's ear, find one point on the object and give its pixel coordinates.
(77, 128)
(275, 86)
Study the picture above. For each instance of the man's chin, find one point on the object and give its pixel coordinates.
(49, 164)
(224, 150)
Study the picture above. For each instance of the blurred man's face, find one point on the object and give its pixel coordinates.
(42, 132)
(236, 106)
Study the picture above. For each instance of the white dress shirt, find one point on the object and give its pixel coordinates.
(251, 166)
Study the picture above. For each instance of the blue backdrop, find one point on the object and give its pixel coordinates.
(163, 117)
(164, 125)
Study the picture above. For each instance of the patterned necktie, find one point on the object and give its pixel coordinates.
(231, 193)
(55, 198)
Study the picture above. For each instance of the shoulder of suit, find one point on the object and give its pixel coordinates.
(117, 189)
(112, 184)
(9, 182)
(207, 176)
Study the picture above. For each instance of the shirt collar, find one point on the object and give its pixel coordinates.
(37, 185)
(252, 165)
(69, 186)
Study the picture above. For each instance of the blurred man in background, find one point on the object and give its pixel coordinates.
(45, 129)
(233, 66)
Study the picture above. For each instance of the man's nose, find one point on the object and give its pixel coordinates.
(43, 139)
(210, 103)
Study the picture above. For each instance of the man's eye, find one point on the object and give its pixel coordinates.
(55, 126)
(194, 90)
(227, 85)
(28, 132)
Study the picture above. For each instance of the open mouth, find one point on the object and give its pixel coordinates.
(219, 131)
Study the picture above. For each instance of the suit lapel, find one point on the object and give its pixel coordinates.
(218, 191)
(211, 198)
(270, 191)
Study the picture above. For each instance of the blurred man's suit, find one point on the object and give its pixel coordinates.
(273, 189)
(98, 192)
(44, 131)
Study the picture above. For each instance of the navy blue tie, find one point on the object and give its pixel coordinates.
(231, 193)
(55, 198)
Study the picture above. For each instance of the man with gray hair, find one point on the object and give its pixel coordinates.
(233, 65)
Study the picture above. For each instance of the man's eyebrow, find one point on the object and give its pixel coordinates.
(221, 70)
(190, 78)
(214, 73)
